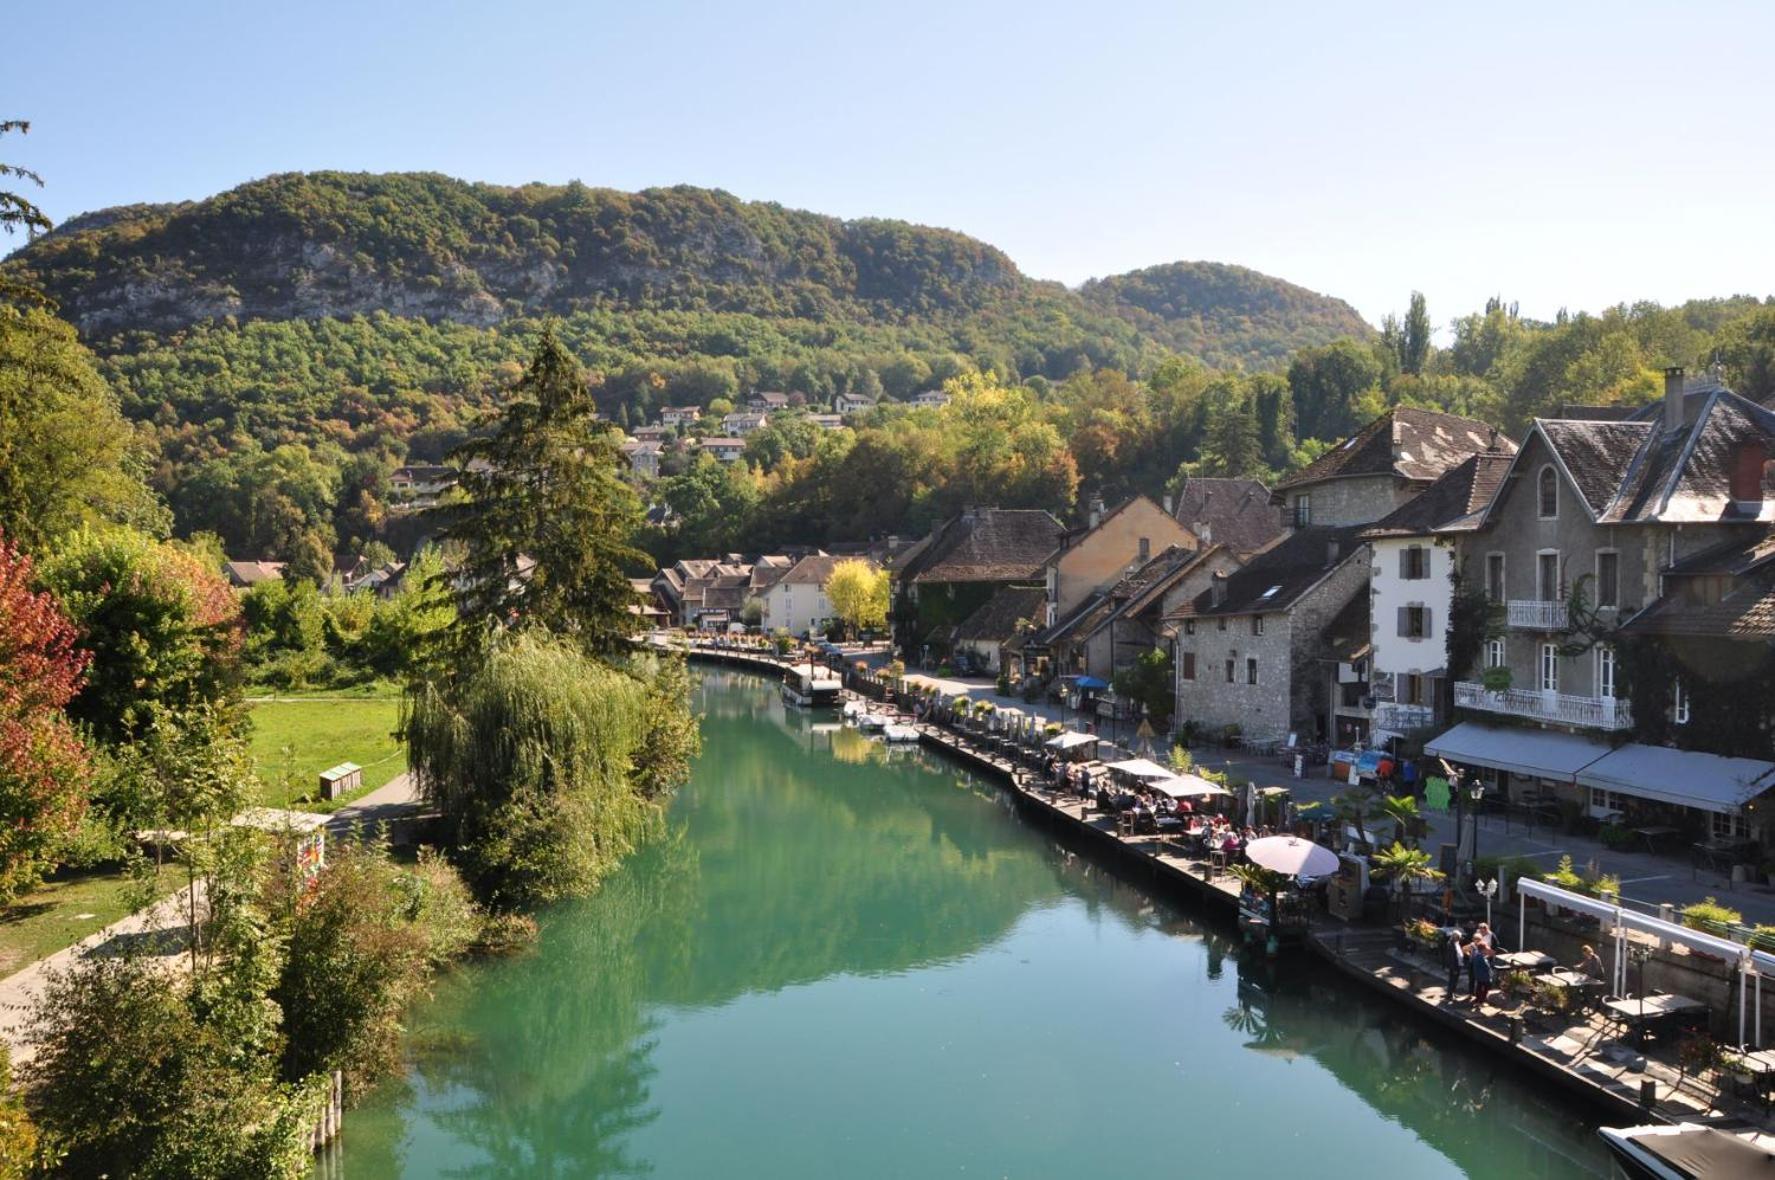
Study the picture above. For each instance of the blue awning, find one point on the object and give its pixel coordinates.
(1090, 683)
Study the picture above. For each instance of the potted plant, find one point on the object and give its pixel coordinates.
(1495, 681)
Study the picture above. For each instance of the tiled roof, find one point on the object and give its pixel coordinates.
(997, 618)
(1455, 502)
(1236, 513)
(1745, 613)
(984, 545)
(1405, 442)
(1146, 585)
(1739, 556)
(1278, 576)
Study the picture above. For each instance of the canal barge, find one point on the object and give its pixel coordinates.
(1685, 1151)
(812, 687)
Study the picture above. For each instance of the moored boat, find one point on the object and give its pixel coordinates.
(1686, 1151)
(899, 733)
(812, 687)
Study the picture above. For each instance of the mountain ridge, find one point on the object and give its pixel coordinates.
(428, 246)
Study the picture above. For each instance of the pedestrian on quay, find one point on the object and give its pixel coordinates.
(1479, 971)
(1453, 950)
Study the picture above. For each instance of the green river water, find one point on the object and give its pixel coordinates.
(845, 962)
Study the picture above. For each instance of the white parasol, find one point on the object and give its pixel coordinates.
(1189, 786)
(1143, 768)
(1292, 856)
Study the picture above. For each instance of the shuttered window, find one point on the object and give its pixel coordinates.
(1189, 665)
(1414, 563)
(1414, 622)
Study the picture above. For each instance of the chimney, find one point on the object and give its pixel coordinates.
(1673, 398)
(1207, 531)
(1096, 510)
(1169, 511)
(1331, 551)
(1217, 588)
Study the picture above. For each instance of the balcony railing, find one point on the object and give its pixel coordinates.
(1403, 718)
(1591, 712)
(1536, 614)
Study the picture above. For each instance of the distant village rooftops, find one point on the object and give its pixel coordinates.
(1455, 502)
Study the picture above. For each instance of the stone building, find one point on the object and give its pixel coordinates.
(1604, 528)
(1253, 649)
(937, 582)
(1236, 513)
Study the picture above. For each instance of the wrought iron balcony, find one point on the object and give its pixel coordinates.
(1608, 713)
(1537, 614)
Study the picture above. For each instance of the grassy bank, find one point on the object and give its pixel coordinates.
(60, 914)
(294, 738)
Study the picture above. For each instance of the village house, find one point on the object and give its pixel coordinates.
(1255, 651)
(653, 434)
(1607, 529)
(1413, 563)
(1382, 467)
(931, 398)
(942, 579)
(846, 404)
(421, 484)
(743, 422)
(725, 450)
(643, 457)
(1236, 513)
(827, 421)
(767, 402)
(796, 602)
(680, 416)
(244, 574)
(1084, 566)
(984, 637)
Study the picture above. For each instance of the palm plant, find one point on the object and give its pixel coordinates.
(1408, 821)
(1403, 866)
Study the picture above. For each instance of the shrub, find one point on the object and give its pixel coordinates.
(1709, 915)
(1616, 836)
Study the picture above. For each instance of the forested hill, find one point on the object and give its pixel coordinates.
(1225, 314)
(425, 246)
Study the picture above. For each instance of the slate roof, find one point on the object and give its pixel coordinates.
(1747, 612)
(1138, 591)
(1456, 502)
(983, 545)
(251, 573)
(1405, 442)
(1236, 513)
(813, 570)
(1639, 472)
(1280, 575)
(997, 618)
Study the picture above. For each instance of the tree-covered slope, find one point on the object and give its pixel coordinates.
(308, 246)
(1225, 314)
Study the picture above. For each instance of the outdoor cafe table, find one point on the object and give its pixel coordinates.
(1656, 835)
(1570, 981)
(1759, 1067)
(1642, 1014)
(1524, 960)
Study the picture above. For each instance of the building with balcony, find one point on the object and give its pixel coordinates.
(1413, 558)
(1603, 524)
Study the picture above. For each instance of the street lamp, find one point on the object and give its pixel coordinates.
(1488, 890)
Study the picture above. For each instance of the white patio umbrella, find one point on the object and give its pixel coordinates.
(1292, 856)
(1143, 768)
(1189, 786)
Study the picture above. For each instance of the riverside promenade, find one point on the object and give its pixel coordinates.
(1578, 1053)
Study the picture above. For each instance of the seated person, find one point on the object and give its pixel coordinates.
(1591, 964)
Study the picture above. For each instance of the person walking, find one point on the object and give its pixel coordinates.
(1451, 958)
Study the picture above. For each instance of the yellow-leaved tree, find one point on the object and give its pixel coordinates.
(858, 591)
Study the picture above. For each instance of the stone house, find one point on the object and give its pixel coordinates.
(846, 404)
(989, 632)
(679, 416)
(1129, 618)
(643, 457)
(1606, 528)
(1252, 650)
(938, 581)
(1236, 513)
(1410, 581)
(725, 449)
(1382, 467)
(767, 401)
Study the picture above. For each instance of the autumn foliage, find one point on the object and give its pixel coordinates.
(44, 769)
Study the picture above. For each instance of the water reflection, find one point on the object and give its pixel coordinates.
(822, 921)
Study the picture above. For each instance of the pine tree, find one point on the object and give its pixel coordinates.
(1414, 339)
(547, 520)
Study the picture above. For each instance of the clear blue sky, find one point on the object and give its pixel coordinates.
(1563, 154)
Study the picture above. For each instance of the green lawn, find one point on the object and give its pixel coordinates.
(60, 914)
(297, 737)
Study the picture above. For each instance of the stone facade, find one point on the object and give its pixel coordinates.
(1353, 500)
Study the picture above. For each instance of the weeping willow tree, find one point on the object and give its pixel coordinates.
(534, 758)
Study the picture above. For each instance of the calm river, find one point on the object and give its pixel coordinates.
(840, 963)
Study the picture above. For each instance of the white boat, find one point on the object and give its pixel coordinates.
(811, 687)
(899, 733)
(1686, 1151)
(873, 722)
(854, 710)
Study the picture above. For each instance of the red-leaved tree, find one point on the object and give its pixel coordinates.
(44, 770)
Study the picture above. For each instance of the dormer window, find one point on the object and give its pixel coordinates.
(1303, 510)
(1549, 494)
